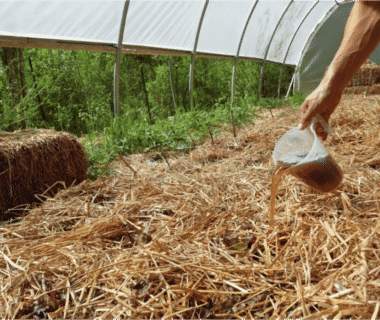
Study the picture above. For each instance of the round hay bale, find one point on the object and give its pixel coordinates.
(38, 161)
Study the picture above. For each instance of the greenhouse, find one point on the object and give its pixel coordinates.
(152, 164)
(304, 34)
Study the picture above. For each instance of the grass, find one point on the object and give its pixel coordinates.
(129, 134)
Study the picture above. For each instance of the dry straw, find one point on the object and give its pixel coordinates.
(366, 80)
(190, 240)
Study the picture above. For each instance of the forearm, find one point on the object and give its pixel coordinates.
(361, 37)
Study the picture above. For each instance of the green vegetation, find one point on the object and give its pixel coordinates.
(71, 91)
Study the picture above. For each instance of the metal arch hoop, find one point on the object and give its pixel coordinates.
(307, 43)
(268, 46)
(172, 81)
(290, 44)
(116, 81)
(191, 77)
(238, 51)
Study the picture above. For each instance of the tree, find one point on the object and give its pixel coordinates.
(13, 63)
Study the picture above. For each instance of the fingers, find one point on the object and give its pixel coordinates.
(307, 114)
(306, 121)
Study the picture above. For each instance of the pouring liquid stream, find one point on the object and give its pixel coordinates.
(279, 172)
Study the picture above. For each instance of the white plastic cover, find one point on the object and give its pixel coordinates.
(62, 20)
(320, 49)
(308, 32)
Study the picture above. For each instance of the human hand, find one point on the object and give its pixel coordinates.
(322, 101)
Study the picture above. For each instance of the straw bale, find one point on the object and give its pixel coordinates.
(190, 240)
(367, 75)
(38, 161)
(365, 90)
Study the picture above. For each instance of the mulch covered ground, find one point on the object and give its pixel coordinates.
(191, 240)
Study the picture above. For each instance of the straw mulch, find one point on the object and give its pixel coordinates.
(190, 240)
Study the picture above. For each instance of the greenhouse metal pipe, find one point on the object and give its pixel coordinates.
(268, 46)
(299, 26)
(191, 77)
(116, 80)
(291, 42)
(238, 51)
(172, 81)
(290, 85)
(22, 42)
(307, 43)
(133, 49)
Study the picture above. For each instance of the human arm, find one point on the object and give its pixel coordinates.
(361, 37)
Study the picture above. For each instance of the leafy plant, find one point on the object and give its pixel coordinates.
(72, 91)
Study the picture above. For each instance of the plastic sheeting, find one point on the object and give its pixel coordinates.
(322, 46)
(302, 33)
(62, 20)
(170, 25)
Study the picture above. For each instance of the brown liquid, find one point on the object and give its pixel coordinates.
(276, 179)
(323, 176)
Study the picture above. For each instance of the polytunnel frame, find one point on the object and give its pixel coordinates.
(267, 49)
(237, 57)
(290, 44)
(238, 50)
(307, 43)
(120, 48)
(116, 80)
(191, 76)
(119, 51)
(268, 46)
(194, 54)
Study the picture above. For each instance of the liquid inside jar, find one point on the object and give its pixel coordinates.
(323, 175)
